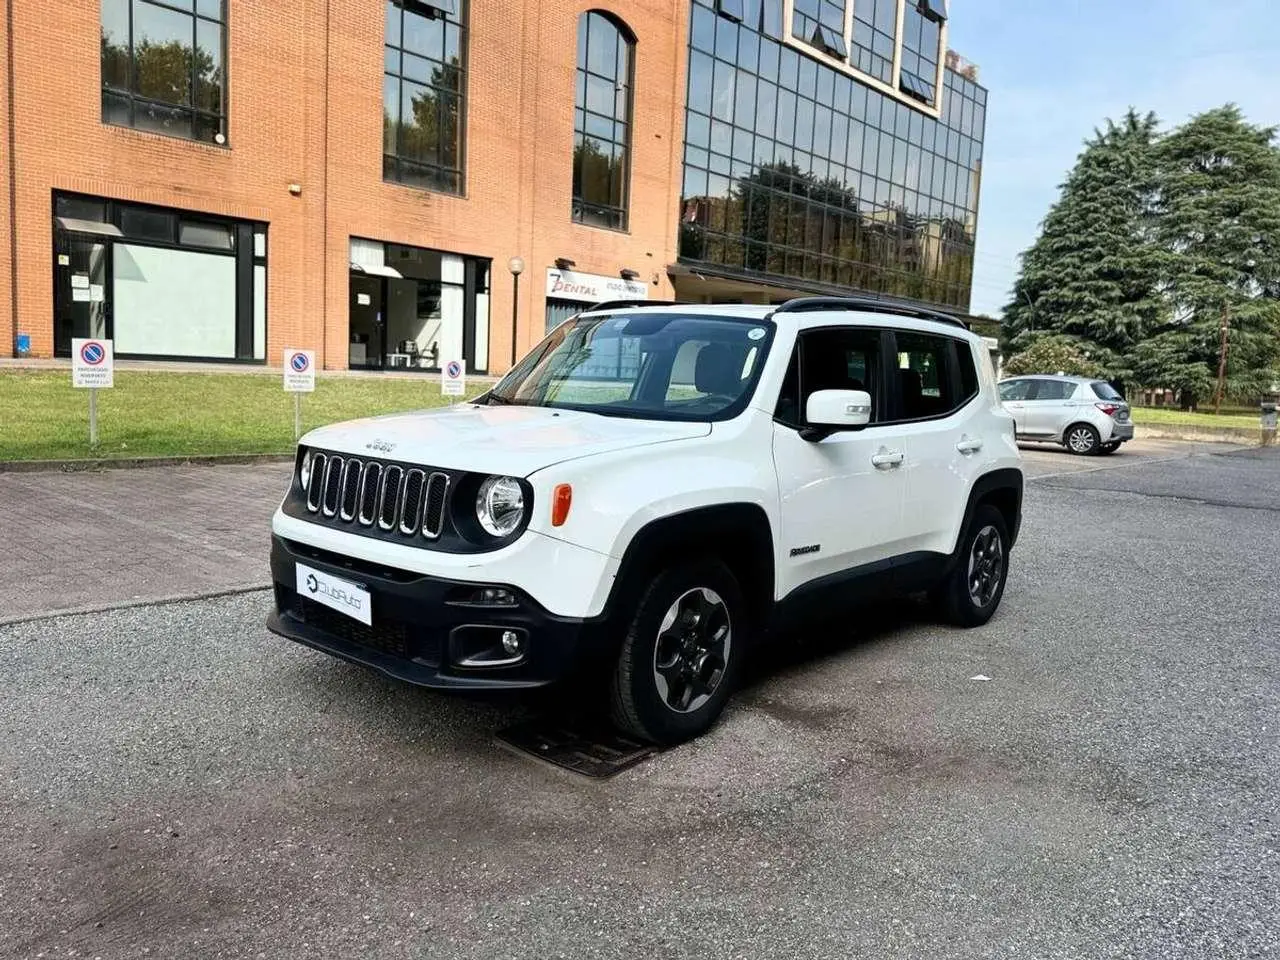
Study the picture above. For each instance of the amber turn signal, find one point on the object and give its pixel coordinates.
(561, 500)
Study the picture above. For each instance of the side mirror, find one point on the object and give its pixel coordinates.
(828, 411)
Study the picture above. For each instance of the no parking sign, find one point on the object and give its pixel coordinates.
(300, 371)
(92, 364)
(453, 379)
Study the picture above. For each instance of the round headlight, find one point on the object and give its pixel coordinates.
(500, 506)
(304, 471)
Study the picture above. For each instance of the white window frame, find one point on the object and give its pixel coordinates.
(889, 89)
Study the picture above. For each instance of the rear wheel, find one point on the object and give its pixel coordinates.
(681, 656)
(970, 594)
(1082, 439)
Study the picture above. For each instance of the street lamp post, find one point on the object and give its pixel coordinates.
(516, 266)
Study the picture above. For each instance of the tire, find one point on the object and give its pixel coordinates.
(959, 604)
(1081, 439)
(651, 697)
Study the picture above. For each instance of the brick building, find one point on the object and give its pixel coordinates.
(221, 179)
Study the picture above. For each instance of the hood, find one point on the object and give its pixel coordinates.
(515, 441)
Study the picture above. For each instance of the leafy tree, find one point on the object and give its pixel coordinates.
(1092, 274)
(1218, 217)
(1058, 352)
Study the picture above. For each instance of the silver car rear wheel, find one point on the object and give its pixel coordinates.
(1082, 439)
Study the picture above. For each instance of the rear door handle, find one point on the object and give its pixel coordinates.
(968, 446)
(888, 459)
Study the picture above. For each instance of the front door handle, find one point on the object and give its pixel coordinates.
(968, 446)
(887, 459)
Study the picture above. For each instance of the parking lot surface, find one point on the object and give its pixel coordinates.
(77, 542)
(176, 782)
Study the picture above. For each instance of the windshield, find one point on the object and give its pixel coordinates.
(654, 366)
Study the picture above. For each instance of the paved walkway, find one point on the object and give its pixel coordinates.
(75, 541)
(82, 541)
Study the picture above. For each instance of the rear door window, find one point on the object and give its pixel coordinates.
(1052, 390)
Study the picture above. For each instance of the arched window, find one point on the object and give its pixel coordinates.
(602, 122)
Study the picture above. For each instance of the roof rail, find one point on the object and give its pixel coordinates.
(624, 304)
(869, 305)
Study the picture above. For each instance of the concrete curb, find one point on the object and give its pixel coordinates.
(1251, 436)
(137, 602)
(138, 463)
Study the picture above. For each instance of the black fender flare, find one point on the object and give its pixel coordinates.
(740, 534)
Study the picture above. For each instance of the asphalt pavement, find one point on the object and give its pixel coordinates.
(175, 782)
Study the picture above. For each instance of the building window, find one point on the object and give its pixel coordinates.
(602, 122)
(921, 41)
(423, 94)
(416, 309)
(875, 25)
(159, 282)
(820, 23)
(163, 67)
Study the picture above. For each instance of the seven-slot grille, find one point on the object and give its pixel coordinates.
(409, 500)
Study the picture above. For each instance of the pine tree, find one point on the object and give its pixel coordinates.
(1092, 275)
(1218, 218)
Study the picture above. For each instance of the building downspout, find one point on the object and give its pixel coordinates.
(13, 175)
(324, 206)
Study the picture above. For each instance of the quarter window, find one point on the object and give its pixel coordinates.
(423, 94)
(602, 122)
(164, 67)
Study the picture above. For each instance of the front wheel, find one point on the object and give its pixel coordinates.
(682, 654)
(970, 594)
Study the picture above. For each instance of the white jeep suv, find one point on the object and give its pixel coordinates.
(650, 492)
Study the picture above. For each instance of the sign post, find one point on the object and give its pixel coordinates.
(299, 378)
(453, 379)
(92, 369)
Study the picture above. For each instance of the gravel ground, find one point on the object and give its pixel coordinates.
(174, 782)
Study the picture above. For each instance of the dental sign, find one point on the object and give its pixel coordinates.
(592, 288)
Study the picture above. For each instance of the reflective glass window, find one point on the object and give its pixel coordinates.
(602, 137)
(423, 94)
(163, 67)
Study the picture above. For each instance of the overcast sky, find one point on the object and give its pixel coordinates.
(1056, 69)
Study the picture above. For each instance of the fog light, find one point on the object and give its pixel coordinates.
(511, 642)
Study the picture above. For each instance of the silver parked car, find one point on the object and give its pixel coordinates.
(1085, 415)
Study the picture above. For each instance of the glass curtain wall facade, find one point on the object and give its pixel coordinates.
(798, 174)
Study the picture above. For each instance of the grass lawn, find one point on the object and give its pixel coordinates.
(1165, 417)
(186, 414)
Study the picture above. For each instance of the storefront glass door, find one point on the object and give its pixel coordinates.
(82, 305)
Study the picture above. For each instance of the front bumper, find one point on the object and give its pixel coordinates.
(424, 627)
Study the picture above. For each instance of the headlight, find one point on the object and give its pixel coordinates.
(500, 506)
(304, 471)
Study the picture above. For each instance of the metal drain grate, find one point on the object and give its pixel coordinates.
(589, 750)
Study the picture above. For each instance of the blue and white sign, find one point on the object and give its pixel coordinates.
(453, 379)
(299, 371)
(92, 364)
